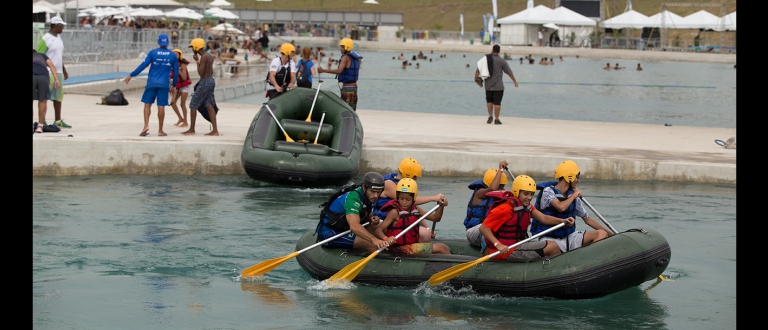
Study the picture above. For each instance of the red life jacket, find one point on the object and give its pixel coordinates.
(515, 228)
(182, 83)
(407, 217)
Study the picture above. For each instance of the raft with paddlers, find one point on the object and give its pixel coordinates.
(305, 136)
(611, 265)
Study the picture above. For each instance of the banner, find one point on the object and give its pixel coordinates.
(461, 21)
(496, 11)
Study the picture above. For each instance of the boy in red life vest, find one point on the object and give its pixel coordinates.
(401, 213)
(507, 223)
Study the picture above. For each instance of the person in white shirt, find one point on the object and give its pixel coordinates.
(52, 46)
(282, 72)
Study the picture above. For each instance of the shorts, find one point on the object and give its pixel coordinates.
(525, 251)
(413, 248)
(494, 97)
(40, 89)
(152, 93)
(574, 241)
(184, 89)
(349, 95)
(474, 236)
(57, 94)
(343, 242)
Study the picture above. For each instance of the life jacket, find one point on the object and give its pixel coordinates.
(282, 76)
(515, 228)
(350, 74)
(476, 213)
(407, 217)
(182, 83)
(384, 200)
(537, 227)
(337, 220)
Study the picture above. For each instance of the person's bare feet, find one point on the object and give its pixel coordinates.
(183, 125)
(212, 134)
(161, 133)
(188, 132)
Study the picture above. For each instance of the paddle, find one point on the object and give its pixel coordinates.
(350, 271)
(457, 270)
(265, 266)
(309, 117)
(287, 138)
(319, 127)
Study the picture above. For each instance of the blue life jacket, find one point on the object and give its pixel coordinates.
(537, 227)
(476, 213)
(350, 74)
(333, 214)
(383, 200)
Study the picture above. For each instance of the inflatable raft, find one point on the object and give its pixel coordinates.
(294, 152)
(616, 263)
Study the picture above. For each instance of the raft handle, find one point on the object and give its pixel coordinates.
(662, 261)
(398, 260)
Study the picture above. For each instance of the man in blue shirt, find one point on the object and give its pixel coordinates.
(162, 61)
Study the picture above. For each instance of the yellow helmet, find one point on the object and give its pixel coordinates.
(287, 49)
(347, 43)
(179, 53)
(197, 44)
(490, 174)
(567, 170)
(408, 185)
(409, 168)
(523, 182)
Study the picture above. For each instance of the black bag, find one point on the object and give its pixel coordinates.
(302, 76)
(282, 76)
(116, 97)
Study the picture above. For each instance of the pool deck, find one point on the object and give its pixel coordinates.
(105, 140)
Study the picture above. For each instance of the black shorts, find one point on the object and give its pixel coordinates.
(494, 97)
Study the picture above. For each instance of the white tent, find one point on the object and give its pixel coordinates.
(665, 19)
(521, 28)
(42, 3)
(225, 29)
(220, 3)
(120, 3)
(184, 13)
(565, 16)
(220, 13)
(701, 19)
(43, 9)
(629, 19)
(571, 22)
(729, 22)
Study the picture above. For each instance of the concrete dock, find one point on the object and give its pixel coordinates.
(105, 140)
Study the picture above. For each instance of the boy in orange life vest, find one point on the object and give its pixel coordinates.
(401, 213)
(507, 223)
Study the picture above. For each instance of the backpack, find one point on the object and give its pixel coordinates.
(302, 76)
(282, 76)
(116, 97)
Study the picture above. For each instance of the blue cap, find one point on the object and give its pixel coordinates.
(162, 40)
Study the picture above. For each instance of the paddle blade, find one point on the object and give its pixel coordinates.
(350, 272)
(288, 138)
(454, 271)
(266, 266)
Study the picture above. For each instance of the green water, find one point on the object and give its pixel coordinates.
(165, 252)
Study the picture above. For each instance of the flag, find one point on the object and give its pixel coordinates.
(495, 10)
(461, 21)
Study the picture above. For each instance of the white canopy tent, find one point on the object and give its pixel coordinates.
(58, 8)
(571, 22)
(522, 28)
(220, 13)
(120, 3)
(729, 23)
(701, 19)
(220, 3)
(629, 19)
(666, 18)
(225, 29)
(184, 13)
(43, 9)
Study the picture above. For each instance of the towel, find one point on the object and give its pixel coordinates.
(482, 66)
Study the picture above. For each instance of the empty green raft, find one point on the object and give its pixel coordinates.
(330, 157)
(616, 263)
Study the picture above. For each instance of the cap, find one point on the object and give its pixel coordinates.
(162, 40)
(57, 20)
